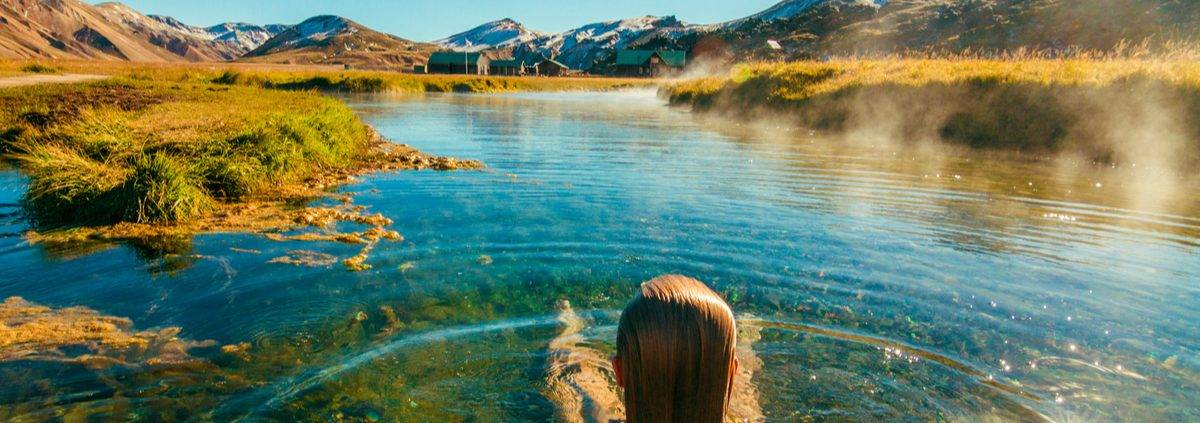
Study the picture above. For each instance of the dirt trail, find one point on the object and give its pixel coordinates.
(20, 81)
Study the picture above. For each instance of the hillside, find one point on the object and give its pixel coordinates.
(334, 40)
(856, 27)
(114, 31)
(70, 29)
(192, 44)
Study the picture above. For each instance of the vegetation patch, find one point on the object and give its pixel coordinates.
(327, 79)
(130, 160)
(39, 68)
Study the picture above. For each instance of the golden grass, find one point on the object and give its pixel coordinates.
(299, 77)
(794, 82)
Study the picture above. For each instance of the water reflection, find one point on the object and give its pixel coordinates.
(891, 282)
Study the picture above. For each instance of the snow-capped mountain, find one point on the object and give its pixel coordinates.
(790, 8)
(499, 34)
(577, 48)
(581, 47)
(242, 35)
(247, 36)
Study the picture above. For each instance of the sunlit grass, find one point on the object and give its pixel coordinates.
(147, 152)
(1028, 103)
(799, 81)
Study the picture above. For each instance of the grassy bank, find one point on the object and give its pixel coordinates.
(1027, 105)
(331, 78)
(129, 159)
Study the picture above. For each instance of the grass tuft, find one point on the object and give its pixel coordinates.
(39, 68)
(160, 189)
(170, 153)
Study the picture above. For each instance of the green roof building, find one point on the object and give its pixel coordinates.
(650, 63)
(508, 67)
(453, 62)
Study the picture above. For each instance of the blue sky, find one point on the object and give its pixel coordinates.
(426, 20)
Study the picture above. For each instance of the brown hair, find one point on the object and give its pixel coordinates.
(675, 345)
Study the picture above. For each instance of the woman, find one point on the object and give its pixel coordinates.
(669, 312)
(676, 353)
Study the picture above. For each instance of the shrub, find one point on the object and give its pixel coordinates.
(38, 68)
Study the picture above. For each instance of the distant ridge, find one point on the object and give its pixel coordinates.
(504, 33)
(331, 40)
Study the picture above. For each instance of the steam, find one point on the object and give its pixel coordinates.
(1132, 144)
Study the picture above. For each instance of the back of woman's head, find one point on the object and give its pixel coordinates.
(675, 352)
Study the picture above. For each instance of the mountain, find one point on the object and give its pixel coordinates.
(71, 29)
(246, 36)
(334, 40)
(501, 34)
(791, 8)
(114, 31)
(190, 43)
(241, 36)
(816, 28)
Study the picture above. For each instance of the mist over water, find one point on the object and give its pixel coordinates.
(890, 281)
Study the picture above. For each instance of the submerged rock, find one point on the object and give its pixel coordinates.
(306, 258)
(80, 335)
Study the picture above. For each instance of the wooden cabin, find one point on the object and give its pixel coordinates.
(453, 62)
(648, 63)
(551, 67)
(511, 67)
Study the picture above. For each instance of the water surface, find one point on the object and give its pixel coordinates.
(890, 283)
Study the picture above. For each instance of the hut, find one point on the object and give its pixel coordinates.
(650, 63)
(509, 67)
(551, 67)
(454, 62)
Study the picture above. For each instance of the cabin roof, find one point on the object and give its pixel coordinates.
(672, 58)
(555, 62)
(508, 63)
(453, 58)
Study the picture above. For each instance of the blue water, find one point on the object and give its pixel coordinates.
(890, 282)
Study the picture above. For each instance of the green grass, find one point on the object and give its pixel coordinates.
(376, 82)
(1018, 104)
(161, 153)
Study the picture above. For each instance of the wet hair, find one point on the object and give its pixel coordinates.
(676, 346)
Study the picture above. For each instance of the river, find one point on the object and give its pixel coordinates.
(889, 282)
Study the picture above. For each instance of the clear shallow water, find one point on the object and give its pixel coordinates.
(889, 283)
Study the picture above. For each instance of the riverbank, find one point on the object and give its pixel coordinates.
(1108, 110)
(333, 78)
(148, 161)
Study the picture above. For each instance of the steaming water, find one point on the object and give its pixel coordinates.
(889, 283)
